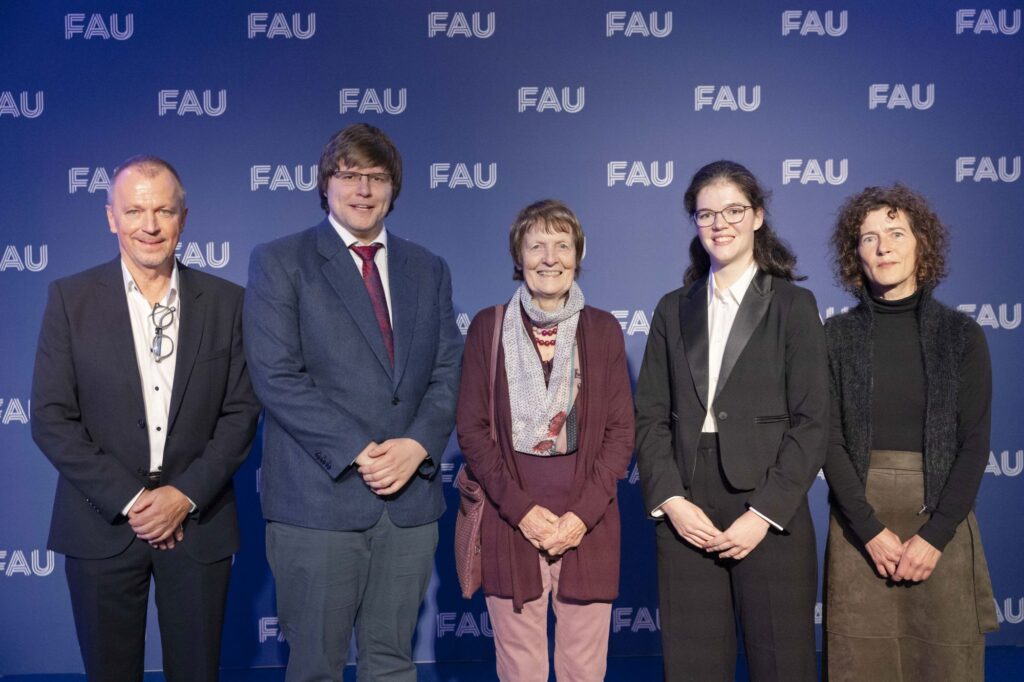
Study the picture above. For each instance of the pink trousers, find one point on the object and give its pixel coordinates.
(521, 639)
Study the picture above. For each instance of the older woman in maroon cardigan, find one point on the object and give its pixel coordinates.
(563, 439)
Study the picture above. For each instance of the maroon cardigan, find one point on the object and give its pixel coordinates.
(590, 572)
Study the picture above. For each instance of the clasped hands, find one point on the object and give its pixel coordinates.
(552, 534)
(386, 467)
(912, 560)
(157, 516)
(694, 526)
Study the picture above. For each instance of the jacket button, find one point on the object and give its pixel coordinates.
(395, 400)
(141, 423)
(723, 415)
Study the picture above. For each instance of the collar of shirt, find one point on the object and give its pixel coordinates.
(350, 239)
(172, 291)
(734, 292)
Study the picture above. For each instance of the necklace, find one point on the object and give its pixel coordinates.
(545, 337)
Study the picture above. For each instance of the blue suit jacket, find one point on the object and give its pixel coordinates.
(319, 365)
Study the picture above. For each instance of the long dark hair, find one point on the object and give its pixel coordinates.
(770, 252)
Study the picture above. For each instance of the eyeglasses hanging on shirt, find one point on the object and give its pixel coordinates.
(162, 317)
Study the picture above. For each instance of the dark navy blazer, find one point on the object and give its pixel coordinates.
(319, 365)
(89, 418)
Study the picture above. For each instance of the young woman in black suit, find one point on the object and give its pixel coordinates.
(732, 415)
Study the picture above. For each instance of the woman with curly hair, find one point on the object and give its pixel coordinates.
(907, 589)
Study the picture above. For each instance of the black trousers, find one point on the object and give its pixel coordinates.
(771, 592)
(109, 598)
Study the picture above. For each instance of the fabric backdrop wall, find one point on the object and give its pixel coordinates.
(610, 106)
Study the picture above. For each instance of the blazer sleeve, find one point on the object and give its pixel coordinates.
(600, 485)
(238, 412)
(324, 429)
(57, 426)
(473, 425)
(435, 417)
(655, 455)
(802, 451)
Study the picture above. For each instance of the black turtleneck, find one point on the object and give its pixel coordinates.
(898, 395)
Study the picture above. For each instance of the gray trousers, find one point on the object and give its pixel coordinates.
(331, 581)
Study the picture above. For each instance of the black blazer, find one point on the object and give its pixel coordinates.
(771, 402)
(89, 417)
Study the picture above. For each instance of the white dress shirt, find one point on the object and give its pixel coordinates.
(380, 259)
(157, 377)
(723, 305)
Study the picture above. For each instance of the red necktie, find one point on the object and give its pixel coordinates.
(374, 286)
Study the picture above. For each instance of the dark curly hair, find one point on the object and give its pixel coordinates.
(931, 235)
(770, 252)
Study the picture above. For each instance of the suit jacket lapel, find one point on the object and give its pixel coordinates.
(404, 304)
(752, 309)
(192, 322)
(693, 324)
(344, 278)
(117, 320)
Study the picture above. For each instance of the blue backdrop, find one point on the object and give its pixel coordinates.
(610, 106)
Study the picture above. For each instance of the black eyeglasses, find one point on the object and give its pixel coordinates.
(732, 214)
(162, 317)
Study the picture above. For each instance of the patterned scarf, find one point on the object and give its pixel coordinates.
(538, 411)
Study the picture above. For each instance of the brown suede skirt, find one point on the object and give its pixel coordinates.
(880, 630)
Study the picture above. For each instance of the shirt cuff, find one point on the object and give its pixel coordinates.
(131, 503)
(657, 512)
(770, 522)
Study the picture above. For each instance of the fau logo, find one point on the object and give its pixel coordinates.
(615, 22)
(1006, 613)
(986, 22)
(460, 177)
(74, 24)
(20, 261)
(469, 624)
(811, 171)
(438, 24)
(623, 618)
(549, 99)
(92, 180)
(13, 411)
(279, 26)
(368, 100)
(269, 629)
(796, 21)
(283, 178)
(894, 95)
(193, 254)
(984, 168)
(722, 97)
(639, 174)
(1002, 466)
(15, 563)
(189, 102)
(9, 104)
(987, 316)
(632, 322)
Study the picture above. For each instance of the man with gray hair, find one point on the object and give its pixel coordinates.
(143, 404)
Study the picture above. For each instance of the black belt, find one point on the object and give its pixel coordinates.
(153, 480)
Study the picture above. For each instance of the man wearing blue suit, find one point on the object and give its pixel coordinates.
(354, 352)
